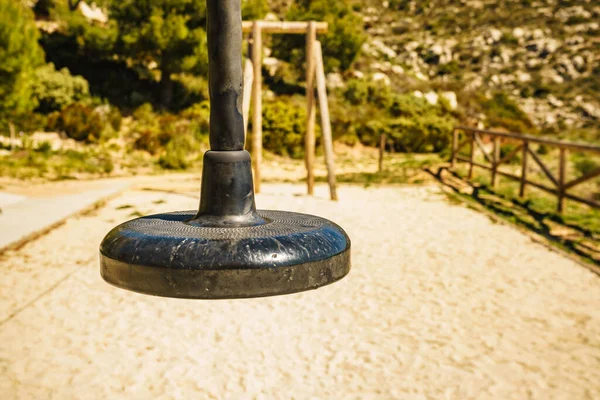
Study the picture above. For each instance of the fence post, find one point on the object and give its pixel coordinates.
(472, 158)
(257, 103)
(454, 147)
(309, 140)
(524, 169)
(561, 180)
(495, 160)
(13, 138)
(382, 140)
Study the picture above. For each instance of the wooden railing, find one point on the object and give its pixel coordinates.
(560, 185)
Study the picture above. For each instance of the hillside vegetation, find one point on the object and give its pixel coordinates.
(125, 83)
(543, 55)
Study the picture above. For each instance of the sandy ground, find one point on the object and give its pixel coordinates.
(441, 303)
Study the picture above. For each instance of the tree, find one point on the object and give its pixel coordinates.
(20, 55)
(167, 34)
(341, 44)
(53, 90)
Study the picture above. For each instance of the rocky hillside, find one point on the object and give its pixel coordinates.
(544, 55)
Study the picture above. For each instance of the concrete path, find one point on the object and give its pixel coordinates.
(441, 304)
(23, 218)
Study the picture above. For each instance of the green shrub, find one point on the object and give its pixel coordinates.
(357, 92)
(586, 166)
(44, 148)
(502, 111)
(176, 137)
(284, 124)
(54, 90)
(78, 121)
(178, 153)
(411, 123)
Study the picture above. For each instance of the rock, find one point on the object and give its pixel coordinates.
(358, 74)
(420, 76)
(494, 36)
(381, 77)
(552, 100)
(579, 63)
(93, 12)
(518, 33)
(566, 13)
(452, 100)
(591, 111)
(53, 138)
(432, 98)
(523, 76)
(335, 80)
(272, 65)
(397, 69)
(383, 49)
(418, 94)
(575, 41)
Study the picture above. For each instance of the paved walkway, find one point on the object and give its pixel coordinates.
(441, 303)
(22, 217)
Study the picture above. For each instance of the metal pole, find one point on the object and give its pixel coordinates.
(225, 74)
(227, 194)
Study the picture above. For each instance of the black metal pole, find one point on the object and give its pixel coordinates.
(225, 74)
(227, 195)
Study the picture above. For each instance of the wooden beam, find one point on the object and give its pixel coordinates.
(544, 168)
(472, 156)
(382, 140)
(562, 170)
(535, 139)
(299, 27)
(454, 148)
(523, 184)
(248, 81)
(582, 179)
(257, 104)
(480, 145)
(495, 163)
(510, 155)
(325, 120)
(459, 148)
(309, 139)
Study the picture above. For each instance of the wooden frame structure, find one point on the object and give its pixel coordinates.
(560, 185)
(315, 74)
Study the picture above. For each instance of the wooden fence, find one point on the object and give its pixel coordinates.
(560, 185)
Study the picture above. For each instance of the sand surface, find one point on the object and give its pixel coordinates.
(441, 304)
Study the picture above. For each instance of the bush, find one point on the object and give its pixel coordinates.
(176, 138)
(284, 124)
(586, 166)
(78, 121)
(178, 153)
(54, 90)
(411, 123)
(501, 111)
